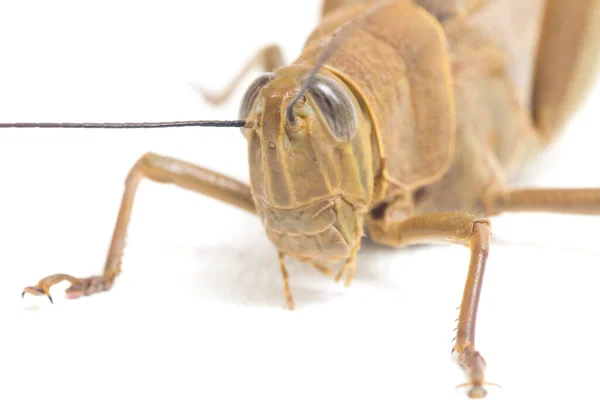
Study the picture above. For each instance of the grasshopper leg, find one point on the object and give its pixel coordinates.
(349, 268)
(159, 169)
(269, 58)
(567, 62)
(567, 201)
(442, 9)
(286, 281)
(457, 228)
(319, 267)
(323, 269)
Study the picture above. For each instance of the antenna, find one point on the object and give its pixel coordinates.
(129, 125)
(329, 47)
(332, 44)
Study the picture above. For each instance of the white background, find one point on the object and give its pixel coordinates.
(199, 311)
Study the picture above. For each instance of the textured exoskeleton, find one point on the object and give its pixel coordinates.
(395, 115)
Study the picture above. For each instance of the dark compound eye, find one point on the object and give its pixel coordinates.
(252, 93)
(335, 106)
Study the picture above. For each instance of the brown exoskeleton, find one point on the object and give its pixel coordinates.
(395, 115)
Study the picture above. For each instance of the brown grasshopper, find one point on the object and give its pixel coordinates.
(395, 114)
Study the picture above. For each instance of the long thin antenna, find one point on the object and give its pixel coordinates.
(329, 48)
(127, 125)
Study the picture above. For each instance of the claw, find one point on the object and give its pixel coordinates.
(477, 391)
(78, 288)
(37, 291)
(474, 365)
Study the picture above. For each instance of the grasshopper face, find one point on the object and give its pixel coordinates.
(304, 174)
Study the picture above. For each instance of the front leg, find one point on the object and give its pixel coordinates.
(458, 228)
(158, 169)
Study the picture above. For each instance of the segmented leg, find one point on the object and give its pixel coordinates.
(349, 269)
(567, 62)
(323, 269)
(158, 169)
(268, 59)
(319, 267)
(286, 281)
(566, 201)
(455, 228)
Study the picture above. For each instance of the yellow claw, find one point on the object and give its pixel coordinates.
(477, 391)
(37, 291)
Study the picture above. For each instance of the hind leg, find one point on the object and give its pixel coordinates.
(332, 5)
(564, 201)
(441, 9)
(567, 63)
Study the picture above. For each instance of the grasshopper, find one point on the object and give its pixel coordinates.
(394, 115)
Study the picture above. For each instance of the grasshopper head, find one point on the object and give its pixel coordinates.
(310, 174)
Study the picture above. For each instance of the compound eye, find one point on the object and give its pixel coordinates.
(335, 106)
(252, 93)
